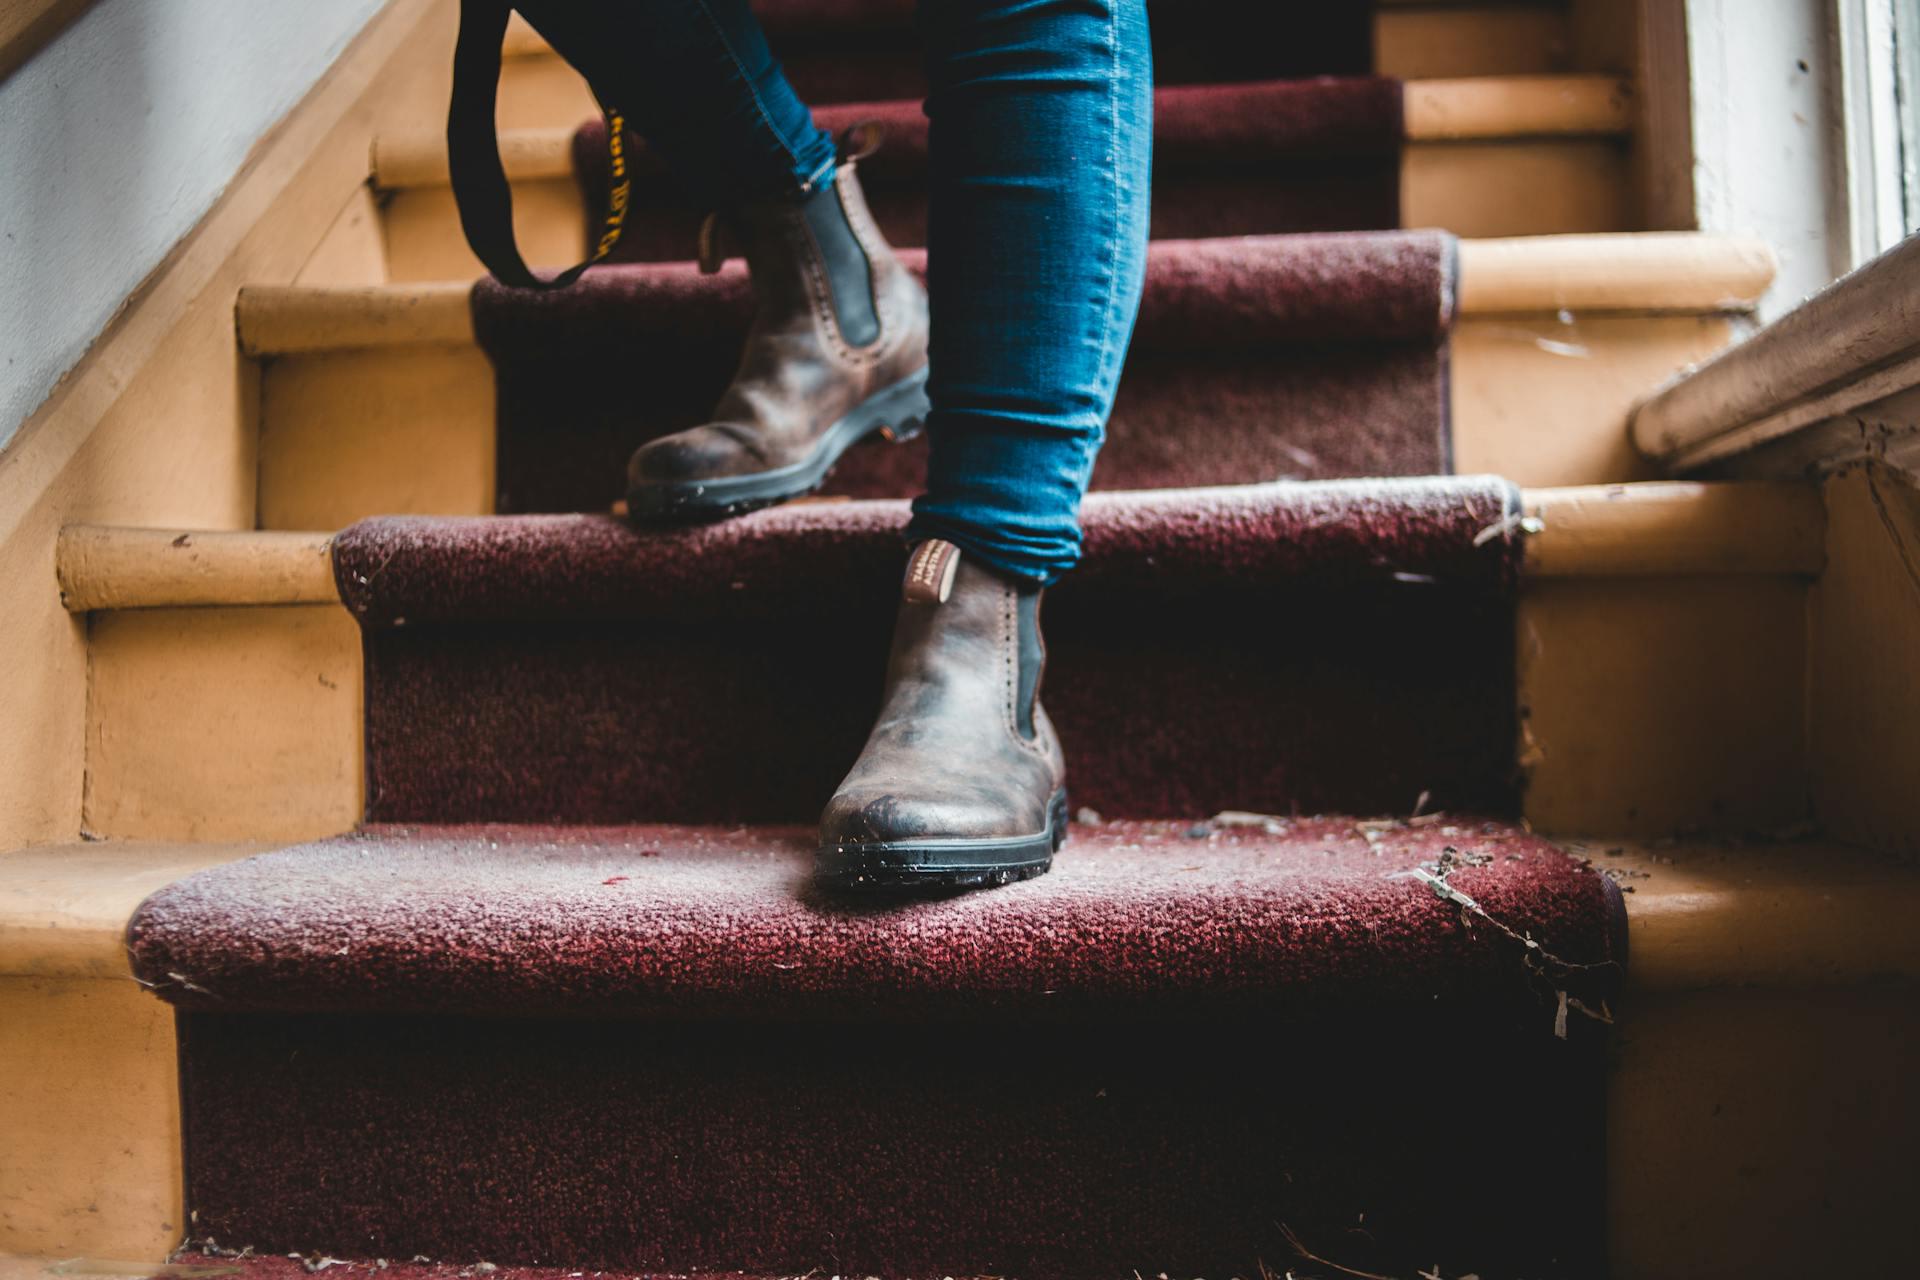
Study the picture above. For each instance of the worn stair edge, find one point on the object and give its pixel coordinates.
(1661, 528)
(1477, 109)
(1684, 273)
(1630, 530)
(107, 567)
(1702, 914)
(1640, 271)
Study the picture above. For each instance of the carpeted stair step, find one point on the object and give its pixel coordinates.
(376, 399)
(654, 1048)
(1254, 359)
(1486, 156)
(1791, 1038)
(1320, 646)
(1244, 159)
(1230, 159)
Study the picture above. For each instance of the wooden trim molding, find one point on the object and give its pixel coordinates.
(28, 26)
(1816, 373)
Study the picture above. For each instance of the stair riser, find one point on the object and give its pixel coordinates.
(1354, 411)
(996, 1149)
(1694, 740)
(410, 430)
(1361, 657)
(91, 1117)
(1551, 187)
(209, 724)
(610, 723)
(1764, 1131)
(1272, 357)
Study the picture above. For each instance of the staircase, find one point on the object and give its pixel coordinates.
(463, 829)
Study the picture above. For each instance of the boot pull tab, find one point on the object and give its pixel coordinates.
(859, 140)
(712, 255)
(930, 571)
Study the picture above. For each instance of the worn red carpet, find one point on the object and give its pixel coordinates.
(1335, 646)
(1255, 358)
(867, 50)
(1229, 160)
(656, 1049)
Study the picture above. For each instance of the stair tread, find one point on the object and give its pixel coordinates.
(1321, 287)
(1794, 911)
(1637, 272)
(811, 559)
(1167, 917)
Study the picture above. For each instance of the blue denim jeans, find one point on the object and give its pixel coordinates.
(1041, 136)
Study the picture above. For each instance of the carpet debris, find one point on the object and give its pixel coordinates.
(1539, 962)
(1508, 526)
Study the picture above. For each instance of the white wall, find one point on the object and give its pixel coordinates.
(115, 139)
(1766, 139)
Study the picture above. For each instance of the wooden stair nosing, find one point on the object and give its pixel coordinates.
(1625, 273)
(1654, 529)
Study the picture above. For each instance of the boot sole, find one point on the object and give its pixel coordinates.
(900, 410)
(935, 865)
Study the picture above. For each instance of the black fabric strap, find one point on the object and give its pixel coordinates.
(480, 186)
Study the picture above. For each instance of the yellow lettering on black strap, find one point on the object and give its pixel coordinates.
(620, 187)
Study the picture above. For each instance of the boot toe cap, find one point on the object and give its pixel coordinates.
(887, 817)
(701, 453)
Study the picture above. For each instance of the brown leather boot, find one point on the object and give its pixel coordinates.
(837, 352)
(961, 782)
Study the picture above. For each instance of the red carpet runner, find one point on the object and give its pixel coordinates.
(1199, 1047)
(1229, 160)
(1255, 359)
(1335, 646)
(658, 1048)
(1186, 1041)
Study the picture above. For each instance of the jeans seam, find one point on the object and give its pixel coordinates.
(1113, 241)
(753, 92)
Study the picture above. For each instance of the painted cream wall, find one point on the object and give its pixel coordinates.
(115, 140)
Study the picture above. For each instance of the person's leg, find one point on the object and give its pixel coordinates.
(1041, 117)
(1041, 147)
(837, 350)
